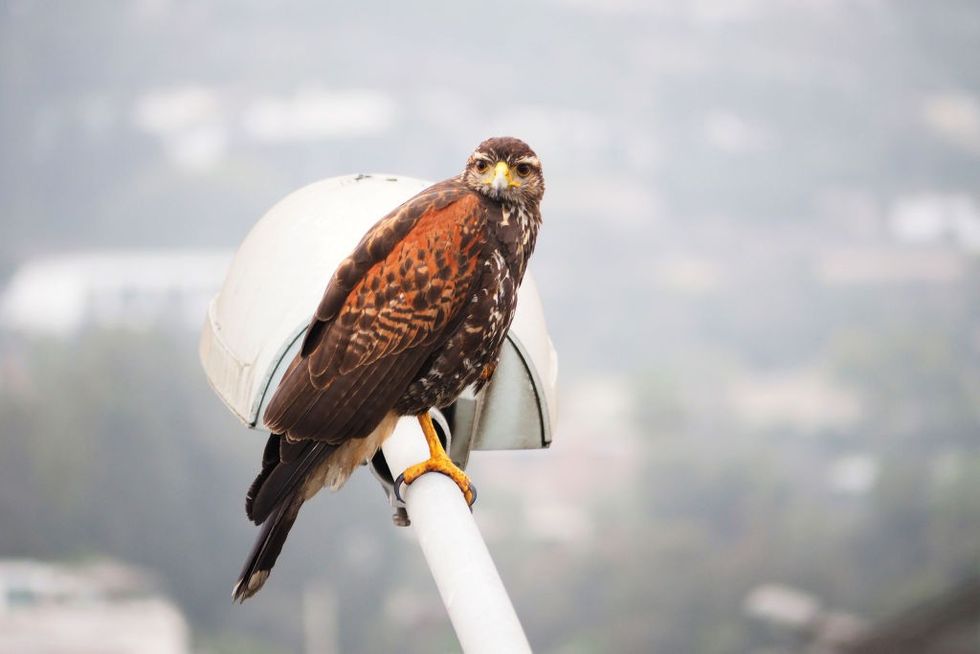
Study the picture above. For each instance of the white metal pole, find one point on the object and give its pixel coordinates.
(471, 589)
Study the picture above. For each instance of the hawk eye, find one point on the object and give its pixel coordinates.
(481, 166)
(523, 169)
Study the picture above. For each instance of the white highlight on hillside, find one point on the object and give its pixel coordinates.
(313, 113)
(132, 289)
(198, 125)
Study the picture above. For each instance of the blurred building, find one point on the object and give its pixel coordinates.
(104, 607)
(130, 289)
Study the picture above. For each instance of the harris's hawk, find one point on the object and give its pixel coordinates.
(416, 313)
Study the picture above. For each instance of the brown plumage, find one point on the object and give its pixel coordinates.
(413, 316)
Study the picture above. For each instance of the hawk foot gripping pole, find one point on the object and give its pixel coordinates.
(438, 461)
(475, 598)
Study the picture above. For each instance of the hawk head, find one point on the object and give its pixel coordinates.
(505, 169)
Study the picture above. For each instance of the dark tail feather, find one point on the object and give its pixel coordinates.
(270, 460)
(267, 548)
(285, 467)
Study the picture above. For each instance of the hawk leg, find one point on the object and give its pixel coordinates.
(438, 461)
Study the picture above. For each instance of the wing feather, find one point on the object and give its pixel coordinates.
(375, 246)
(400, 291)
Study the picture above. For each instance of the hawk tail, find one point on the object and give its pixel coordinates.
(267, 548)
(291, 473)
(273, 501)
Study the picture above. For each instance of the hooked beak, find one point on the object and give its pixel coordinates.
(501, 177)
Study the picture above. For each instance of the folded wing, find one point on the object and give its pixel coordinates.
(386, 310)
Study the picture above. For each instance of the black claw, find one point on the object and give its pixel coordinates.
(472, 490)
(398, 484)
(400, 480)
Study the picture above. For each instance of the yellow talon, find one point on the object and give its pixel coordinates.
(438, 461)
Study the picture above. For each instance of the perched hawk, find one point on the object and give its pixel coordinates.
(414, 315)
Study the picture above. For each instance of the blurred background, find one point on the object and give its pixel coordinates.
(760, 264)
